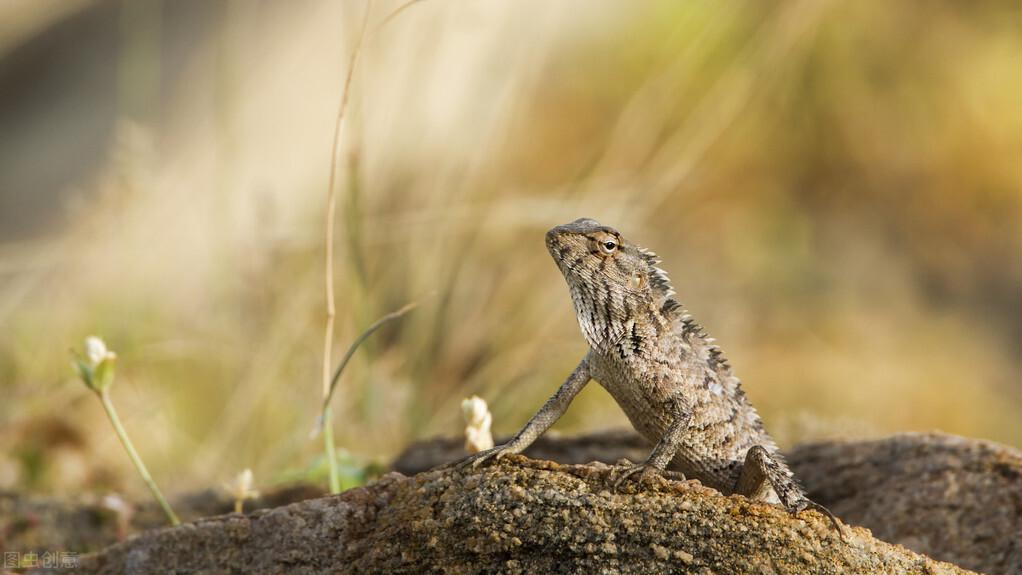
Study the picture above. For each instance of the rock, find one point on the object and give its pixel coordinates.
(518, 516)
(952, 498)
(40, 524)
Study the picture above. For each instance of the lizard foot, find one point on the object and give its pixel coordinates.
(764, 469)
(493, 454)
(804, 504)
(643, 469)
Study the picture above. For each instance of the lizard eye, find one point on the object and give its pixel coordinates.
(608, 246)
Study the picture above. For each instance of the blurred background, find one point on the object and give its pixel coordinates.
(835, 187)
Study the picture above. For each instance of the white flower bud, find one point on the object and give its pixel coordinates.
(474, 409)
(95, 350)
(116, 503)
(241, 489)
(477, 416)
(245, 481)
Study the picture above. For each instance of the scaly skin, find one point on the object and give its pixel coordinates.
(662, 369)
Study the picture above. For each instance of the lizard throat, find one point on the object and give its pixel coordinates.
(606, 316)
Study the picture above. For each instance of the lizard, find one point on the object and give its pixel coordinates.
(663, 370)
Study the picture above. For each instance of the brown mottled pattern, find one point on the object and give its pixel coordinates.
(662, 369)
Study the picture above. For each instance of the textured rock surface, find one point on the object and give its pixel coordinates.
(521, 516)
(40, 524)
(951, 498)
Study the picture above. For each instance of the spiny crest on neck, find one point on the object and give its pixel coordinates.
(673, 309)
(690, 329)
(658, 279)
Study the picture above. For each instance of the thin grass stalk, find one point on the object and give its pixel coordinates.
(331, 208)
(354, 346)
(111, 413)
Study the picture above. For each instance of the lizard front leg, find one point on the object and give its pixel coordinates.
(551, 411)
(763, 471)
(666, 448)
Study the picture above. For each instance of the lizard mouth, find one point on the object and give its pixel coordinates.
(552, 241)
(556, 246)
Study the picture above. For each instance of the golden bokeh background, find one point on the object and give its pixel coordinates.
(835, 187)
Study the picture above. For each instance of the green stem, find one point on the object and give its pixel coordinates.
(108, 405)
(331, 454)
(354, 346)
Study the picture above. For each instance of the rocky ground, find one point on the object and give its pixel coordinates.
(522, 516)
(89, 523)
(950, 498)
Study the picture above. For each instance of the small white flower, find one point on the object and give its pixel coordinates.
(95, 350)
(122, 510)
(477, 416)
(245, 481)
(474, 409)
(241, 489)
(96, 366)
(116, 503)
(242, 486)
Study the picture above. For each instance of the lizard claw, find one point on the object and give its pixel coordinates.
(476, 459)
(809, 504)
(643, 469)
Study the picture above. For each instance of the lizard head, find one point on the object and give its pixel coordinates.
(612, 281)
